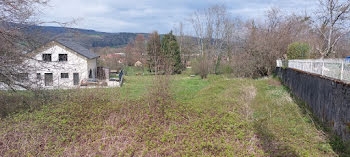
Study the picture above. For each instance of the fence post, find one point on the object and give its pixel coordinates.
(302, 66)
(342, 71)
(322, 73)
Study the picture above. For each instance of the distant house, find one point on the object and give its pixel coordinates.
(115, 57)
(138, 64)
(61, 64)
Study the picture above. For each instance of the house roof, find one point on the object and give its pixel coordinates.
(78, 48)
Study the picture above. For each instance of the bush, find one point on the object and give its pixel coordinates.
(200, 66)
(15, 102)
(225, 69)
(243, 67)
(298, 50)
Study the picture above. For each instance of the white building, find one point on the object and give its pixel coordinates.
(61, 64)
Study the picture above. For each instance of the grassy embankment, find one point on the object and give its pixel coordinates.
(176, 116)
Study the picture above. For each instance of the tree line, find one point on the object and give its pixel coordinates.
(250, 48)
(218, 42)
(159, 54)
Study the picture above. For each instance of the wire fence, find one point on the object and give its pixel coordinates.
(333, 68)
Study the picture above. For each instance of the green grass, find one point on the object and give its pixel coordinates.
(135, 87)
(284, 129)
(132, 71)
(186, 116)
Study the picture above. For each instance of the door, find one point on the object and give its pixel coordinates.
(76, 78)
(48, 79)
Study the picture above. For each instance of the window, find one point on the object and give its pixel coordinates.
(23, 76)
(38, 76)
(62, 57)
(47, 57)
(64, 75)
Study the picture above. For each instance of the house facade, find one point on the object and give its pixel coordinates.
(61, 64)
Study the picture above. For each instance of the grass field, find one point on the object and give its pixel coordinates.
(168, 116)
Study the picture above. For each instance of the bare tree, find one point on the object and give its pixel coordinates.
(213, 27)
(15, 16)
(251, 49)
(140, 45)
(130, 54)
(332, 23)
(187, 44)
(180, 36)
(154, 52)
(268, 41)
(198, 27)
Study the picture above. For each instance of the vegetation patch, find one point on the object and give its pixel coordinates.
(167, 116)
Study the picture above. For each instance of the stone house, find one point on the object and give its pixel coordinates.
(61, 64)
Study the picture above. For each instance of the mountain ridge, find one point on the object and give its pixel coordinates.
(87, 37)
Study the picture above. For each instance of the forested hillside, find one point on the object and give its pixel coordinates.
(88, 38)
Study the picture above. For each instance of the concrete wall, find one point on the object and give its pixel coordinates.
(328, 99)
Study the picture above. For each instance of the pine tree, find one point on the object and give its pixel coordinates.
(171, 53)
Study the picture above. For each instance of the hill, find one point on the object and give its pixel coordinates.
(88, 38)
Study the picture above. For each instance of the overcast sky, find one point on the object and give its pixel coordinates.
(162, 15)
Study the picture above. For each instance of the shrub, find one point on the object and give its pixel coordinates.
(243, 67)
(298, 50)
(200, 66)
(15, 102)
(225, 69)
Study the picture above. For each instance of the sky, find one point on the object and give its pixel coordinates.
(144, 16)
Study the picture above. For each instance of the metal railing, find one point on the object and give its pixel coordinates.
(333, 68)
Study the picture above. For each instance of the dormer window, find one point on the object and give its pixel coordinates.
(47, 57)
(62, 57)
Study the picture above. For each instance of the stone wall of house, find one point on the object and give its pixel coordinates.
(328, 99)
(75, 64)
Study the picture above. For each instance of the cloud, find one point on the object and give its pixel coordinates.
(149, 15)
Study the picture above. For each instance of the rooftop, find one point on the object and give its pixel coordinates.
(78, 48)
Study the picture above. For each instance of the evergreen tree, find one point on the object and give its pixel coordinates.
(298, 50)
(171, 53)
